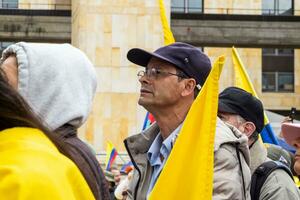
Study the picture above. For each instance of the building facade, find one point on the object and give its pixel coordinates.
(265, 33)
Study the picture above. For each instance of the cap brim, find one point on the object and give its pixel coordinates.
(290, 132)
(222, 107)
(142, 57)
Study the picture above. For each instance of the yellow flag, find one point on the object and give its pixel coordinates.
(188, 173)
(168, 35)
(243, 81)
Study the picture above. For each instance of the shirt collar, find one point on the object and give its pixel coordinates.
(153, 152)
(159, 146)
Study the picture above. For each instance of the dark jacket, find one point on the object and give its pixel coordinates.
(86, 161)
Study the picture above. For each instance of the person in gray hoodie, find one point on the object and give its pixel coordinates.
(59, 82)
(244, 113)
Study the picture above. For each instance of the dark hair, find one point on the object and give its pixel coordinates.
(15, 112)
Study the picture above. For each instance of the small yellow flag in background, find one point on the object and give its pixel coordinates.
(188, 173)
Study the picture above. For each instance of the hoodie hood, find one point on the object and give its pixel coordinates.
(228, 134)
(57, 80)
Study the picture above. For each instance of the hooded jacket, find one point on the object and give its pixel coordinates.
(228, 182)
(59, 82)
(279, 184)
(31, 168)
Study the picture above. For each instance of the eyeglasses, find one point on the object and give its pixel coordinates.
(154, 73)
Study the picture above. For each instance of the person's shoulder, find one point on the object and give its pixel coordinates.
(280, 178)
(280, 183)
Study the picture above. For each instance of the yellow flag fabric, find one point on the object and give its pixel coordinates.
(242, 79)
(297, 181)
(168, 35)
(188, 173)
(31, 168)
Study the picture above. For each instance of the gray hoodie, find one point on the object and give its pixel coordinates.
(229, 182)
(57, 80)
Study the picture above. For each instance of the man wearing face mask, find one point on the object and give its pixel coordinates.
(243, 112)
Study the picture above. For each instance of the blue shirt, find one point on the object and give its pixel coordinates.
(160, 149)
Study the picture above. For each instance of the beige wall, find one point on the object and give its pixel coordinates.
(297, 7)
(233, 6)
(251, 58)
(105, 31)
(45, 4)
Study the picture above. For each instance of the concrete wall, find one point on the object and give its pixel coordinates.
(252, 59)
(297, 7)
(106, 30)
(216, 32)
(35, 28)
(232, 7)
(45, 4)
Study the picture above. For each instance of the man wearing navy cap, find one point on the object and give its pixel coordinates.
(244, 113)
(172, 78)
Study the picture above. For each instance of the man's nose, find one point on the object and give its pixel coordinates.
(144, 79)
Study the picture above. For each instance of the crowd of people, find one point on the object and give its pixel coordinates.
(41, 156)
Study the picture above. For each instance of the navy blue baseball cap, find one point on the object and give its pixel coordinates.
(187, 58)
(237, 101)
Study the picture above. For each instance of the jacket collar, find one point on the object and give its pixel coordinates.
(228, 134)
(258, 155)
(140, 143)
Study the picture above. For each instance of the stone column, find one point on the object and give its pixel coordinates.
(296, 8)
(105, 30)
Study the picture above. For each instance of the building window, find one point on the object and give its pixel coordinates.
(10, 4)
(186, 6)
(277, 70)
(277, 7)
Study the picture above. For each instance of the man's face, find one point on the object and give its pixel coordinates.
(117, 175)
(10, 68)
(162, 89)
(296, 144)
(232, 119)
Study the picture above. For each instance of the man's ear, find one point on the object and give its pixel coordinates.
(189, 87)
(249, 128)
